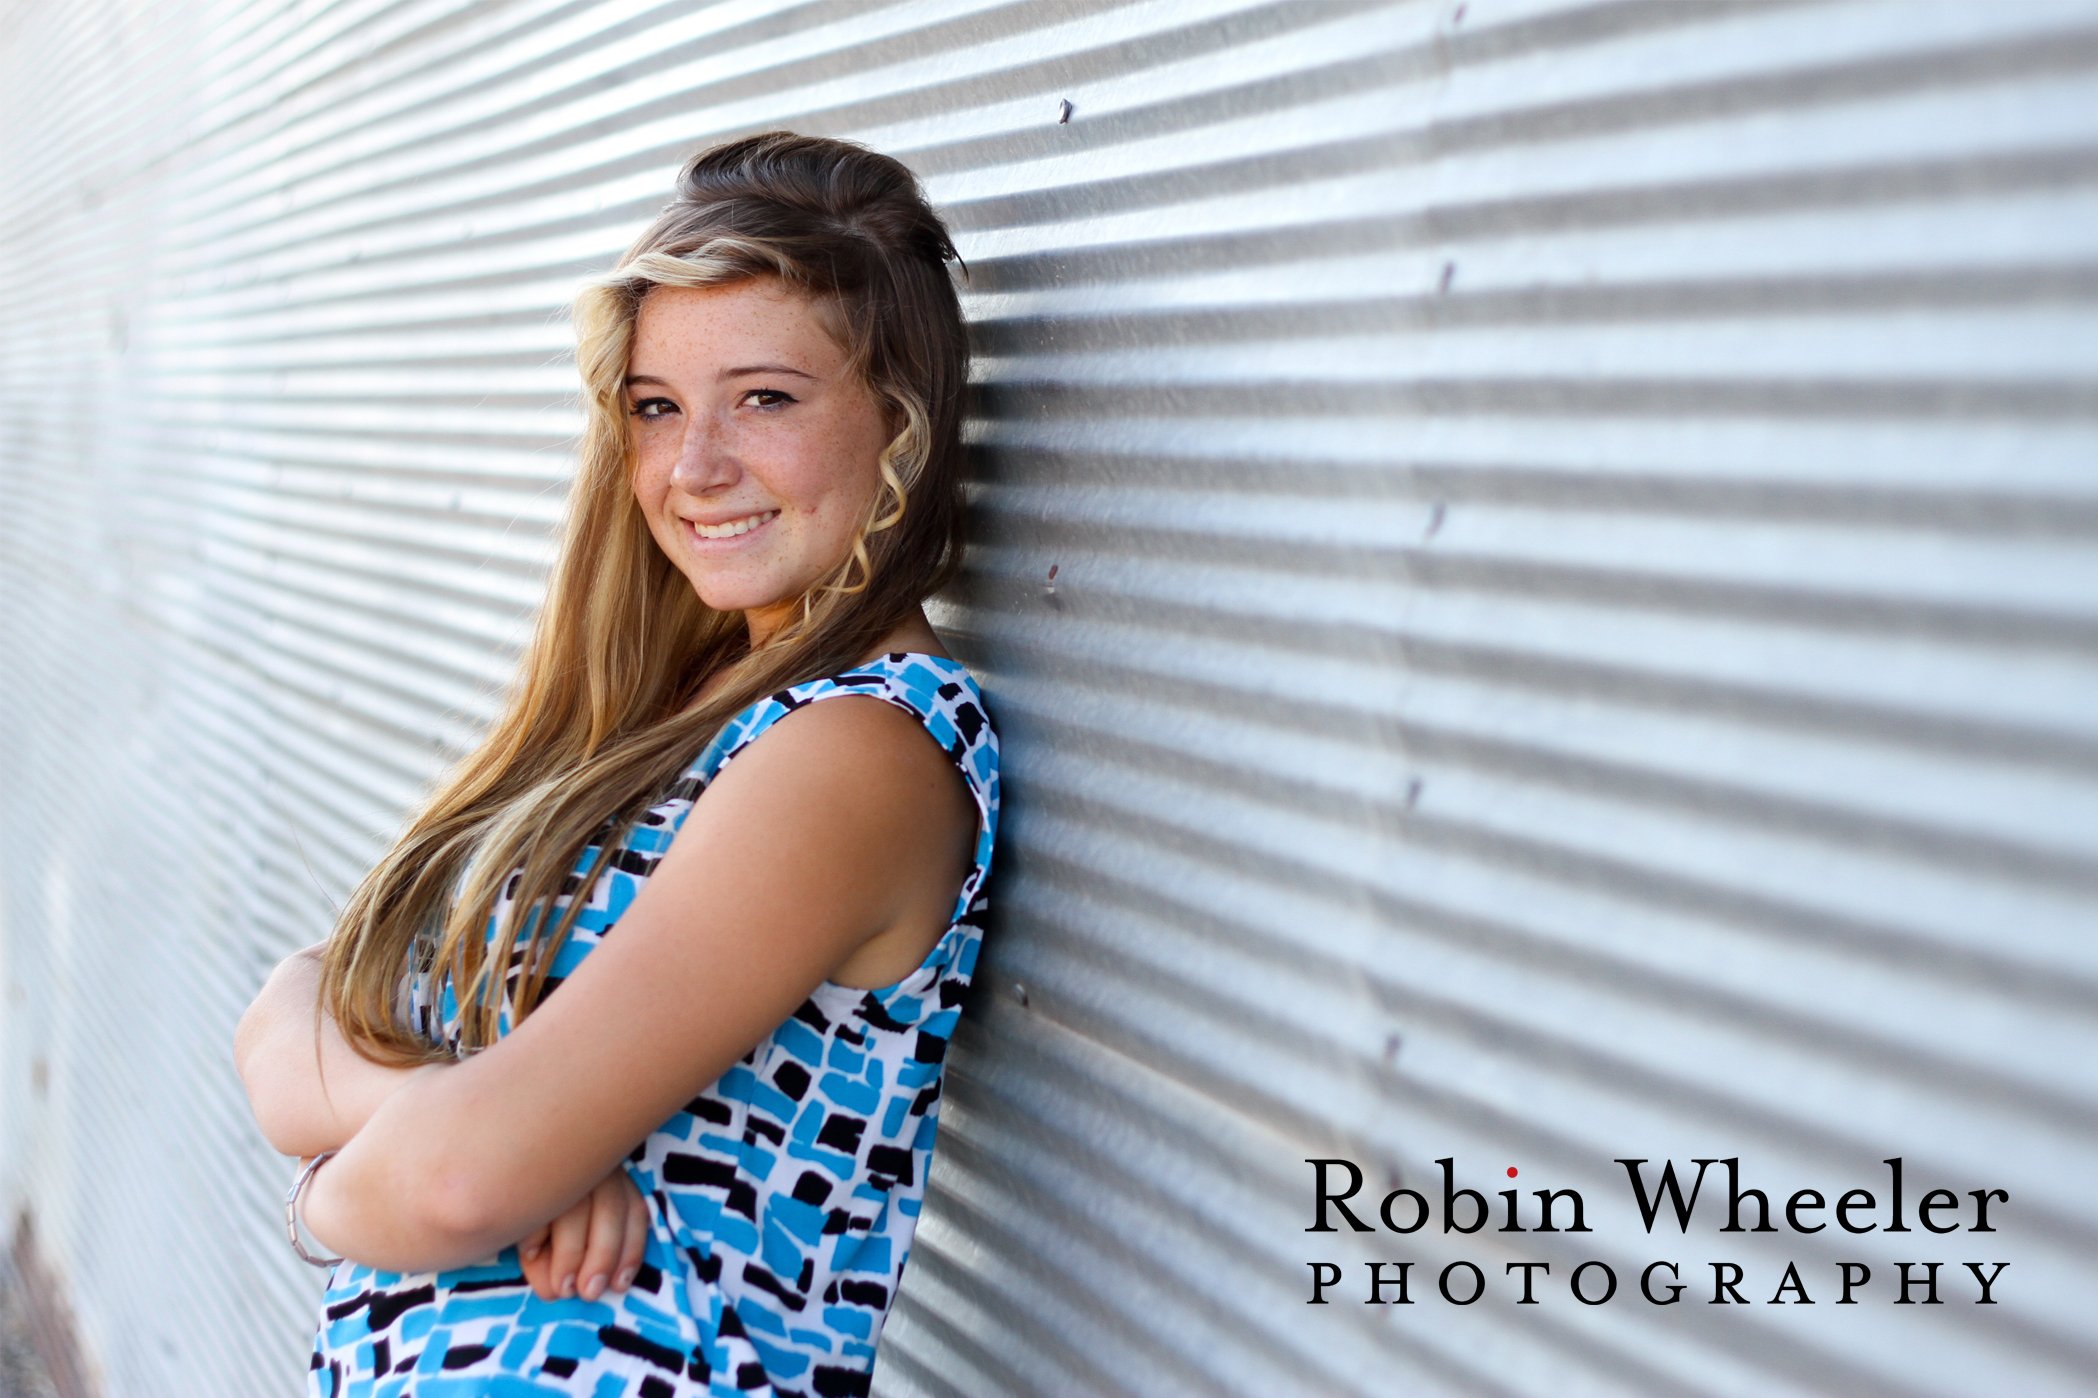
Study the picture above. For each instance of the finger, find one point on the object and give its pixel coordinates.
(636, 1239)
(607, 1236)
(533, 1262)
(565, 1247)
(537, 1263)
(539, 1272)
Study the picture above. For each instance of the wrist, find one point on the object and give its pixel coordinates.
(373, 1201)
(294, 1221)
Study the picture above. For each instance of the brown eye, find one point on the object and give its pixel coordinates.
(651, 409)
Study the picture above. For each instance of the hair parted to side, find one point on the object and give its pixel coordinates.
(597, 722)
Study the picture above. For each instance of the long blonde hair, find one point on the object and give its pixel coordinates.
(600, 718)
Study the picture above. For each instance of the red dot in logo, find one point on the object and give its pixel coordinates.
(1511, 1172)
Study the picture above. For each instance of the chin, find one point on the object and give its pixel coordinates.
(745, 598)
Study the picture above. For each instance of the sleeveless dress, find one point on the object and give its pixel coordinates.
(782, 1199)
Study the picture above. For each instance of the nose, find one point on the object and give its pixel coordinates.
(706, 461)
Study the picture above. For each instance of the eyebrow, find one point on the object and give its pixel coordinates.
(747, 369)
(740, 371)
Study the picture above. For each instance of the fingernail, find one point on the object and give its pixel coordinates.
(626, 1279)
(531, 1252)
(594, 1288)
(568, 1286)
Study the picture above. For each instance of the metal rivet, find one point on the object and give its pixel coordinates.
(1020, 994)
(1063, 112)
(1449, 270)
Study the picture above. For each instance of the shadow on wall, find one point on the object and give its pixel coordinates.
(39, 1357)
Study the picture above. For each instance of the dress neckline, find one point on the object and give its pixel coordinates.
(898, 656)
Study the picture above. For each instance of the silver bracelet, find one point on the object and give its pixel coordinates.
(292, 1220)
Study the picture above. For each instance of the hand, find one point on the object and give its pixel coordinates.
(594, 1247)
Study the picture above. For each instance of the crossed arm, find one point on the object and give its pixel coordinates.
(312, 1093)
(831, 848)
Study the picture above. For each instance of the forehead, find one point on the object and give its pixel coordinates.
(701, 325)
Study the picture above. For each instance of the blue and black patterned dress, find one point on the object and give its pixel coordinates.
(782, 1198)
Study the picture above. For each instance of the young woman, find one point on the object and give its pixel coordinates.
(739, 812)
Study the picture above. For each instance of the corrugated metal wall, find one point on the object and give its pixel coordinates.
(1535, 558)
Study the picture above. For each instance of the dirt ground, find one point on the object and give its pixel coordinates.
(21, 1372)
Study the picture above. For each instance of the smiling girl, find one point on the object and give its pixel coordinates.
(738, 813)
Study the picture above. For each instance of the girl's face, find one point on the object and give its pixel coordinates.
(756, 446)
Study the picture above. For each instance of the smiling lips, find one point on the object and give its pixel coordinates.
(734, 527)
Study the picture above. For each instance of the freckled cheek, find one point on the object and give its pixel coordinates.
(648, 490)
(655, 469)
(803, 482)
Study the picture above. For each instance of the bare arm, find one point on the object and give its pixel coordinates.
(594, 1245)
(830, 849)
(309, 1092)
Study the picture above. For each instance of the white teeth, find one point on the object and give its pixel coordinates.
(734, 526)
